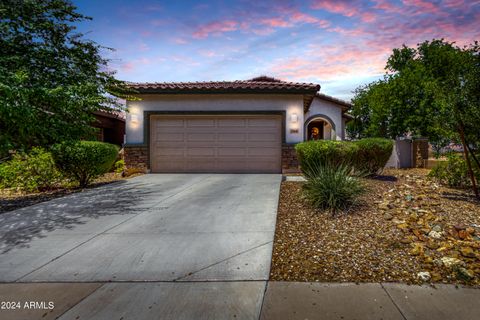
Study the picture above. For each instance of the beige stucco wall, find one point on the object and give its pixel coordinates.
(327, 131)
(291, 104)
(329, 109)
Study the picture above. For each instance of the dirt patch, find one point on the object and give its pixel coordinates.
(387, 238)
(11, 200)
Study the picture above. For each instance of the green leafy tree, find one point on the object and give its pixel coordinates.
(51, 78)
(432, 90)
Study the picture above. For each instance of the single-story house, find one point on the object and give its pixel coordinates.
(229, 126)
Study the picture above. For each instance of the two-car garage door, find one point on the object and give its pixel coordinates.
(216, 143)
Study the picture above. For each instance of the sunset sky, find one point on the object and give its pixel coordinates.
(338, 44)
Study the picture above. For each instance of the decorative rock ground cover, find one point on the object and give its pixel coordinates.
(406, 228)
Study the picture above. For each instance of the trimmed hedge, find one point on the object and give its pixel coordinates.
(83, 161)
(367, 156)
(372, 154)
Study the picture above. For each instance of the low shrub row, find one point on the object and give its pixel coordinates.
(76, 162)
(35, 171)
(367, 156)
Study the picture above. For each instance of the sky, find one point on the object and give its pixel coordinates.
(337, 44)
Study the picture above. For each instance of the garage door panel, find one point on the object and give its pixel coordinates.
(268, 152)
(262, 122)
(171, 152)
(204, 152)
(232, 122)
(231, 152)
(200, 122)
(226, 137)
(259, 166)
(168, 165)
(160, 123)
(169, 137)
(271, 137)
(199, 165)
(201, 137)
(216, 143)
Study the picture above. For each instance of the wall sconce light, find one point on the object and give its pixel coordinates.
(294, 118)
(134, 118)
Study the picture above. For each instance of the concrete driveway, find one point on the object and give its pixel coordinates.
(172, 228)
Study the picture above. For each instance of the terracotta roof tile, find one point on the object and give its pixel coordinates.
(261, 84)
(346, 105)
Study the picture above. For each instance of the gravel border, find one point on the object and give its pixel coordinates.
(387, 238)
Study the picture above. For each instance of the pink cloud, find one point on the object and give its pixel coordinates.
(368, 16)
(300, 17)
(262, 31)
(216, 27)
(283, 18)
(426, 6)
(341, 7)
(386, 6)
(330, 63)
(208, 53)
(453, 3)
(345, 8)
(127, 67)
(358, 32)
(275, 22)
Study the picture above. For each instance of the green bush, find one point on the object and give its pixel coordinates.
(332, 188)
(372, 154)
(454, 172)
(119, 166)
(34, 171)
(83, 161)
(367, 156)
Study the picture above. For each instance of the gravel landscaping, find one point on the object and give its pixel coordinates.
(12, 200)
(406, 228)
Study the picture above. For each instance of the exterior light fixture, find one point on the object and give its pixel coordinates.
(294, 118)
(134, 118)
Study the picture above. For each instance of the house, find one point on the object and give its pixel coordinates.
(237, 126)
(110, 127)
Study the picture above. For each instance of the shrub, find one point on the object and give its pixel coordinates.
(34, 171)
(368, 156)
(372, 154)
(454, 172)
(119, 166)
(83, 161)
(332, 187)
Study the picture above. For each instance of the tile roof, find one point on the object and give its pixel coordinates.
(256, 85)
(346, 105)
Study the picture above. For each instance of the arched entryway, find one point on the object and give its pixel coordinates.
(320, 127)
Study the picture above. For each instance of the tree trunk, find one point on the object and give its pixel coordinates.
(473, 156)
(467, 159)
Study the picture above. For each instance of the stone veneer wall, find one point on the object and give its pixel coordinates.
(289, 159)
(419, 153)
(136, 157)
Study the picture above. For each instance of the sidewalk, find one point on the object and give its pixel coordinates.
(295, 300)
(240, 300)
